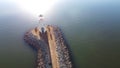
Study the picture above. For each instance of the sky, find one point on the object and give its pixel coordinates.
(34, 7)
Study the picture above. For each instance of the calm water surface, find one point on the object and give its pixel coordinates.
(91, 28)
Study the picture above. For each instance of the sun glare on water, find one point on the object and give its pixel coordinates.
(36, 7)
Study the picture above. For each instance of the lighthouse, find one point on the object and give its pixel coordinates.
(41, 24)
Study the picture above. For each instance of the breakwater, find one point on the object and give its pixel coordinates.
(52, 51)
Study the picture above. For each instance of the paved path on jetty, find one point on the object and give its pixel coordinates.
(60, 54)
(52, 46)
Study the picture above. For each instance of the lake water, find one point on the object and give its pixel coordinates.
(90, 27)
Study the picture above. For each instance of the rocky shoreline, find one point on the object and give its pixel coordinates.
(52, 50)
(43, 57)
(62, 50)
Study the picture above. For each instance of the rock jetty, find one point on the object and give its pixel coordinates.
(52, 50)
